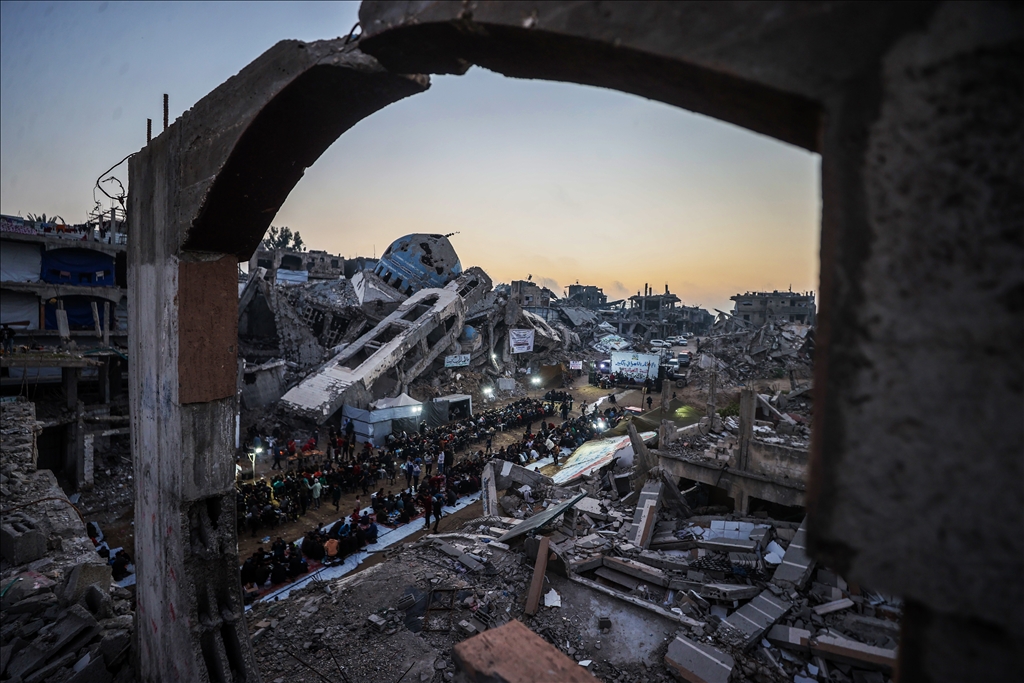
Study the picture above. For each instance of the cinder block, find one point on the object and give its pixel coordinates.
(21, 541)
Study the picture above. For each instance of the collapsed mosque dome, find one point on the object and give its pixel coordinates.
(416, 262)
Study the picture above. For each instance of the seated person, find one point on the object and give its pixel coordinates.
(279, 574)
(297, 566)
(250, 592)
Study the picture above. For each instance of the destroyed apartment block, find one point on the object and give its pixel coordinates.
(385, 360)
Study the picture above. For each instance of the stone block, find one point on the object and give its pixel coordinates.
(21, 539)
(83, 576)
(796, 566)
(377, 621)
(790, 638)
(698, 663)
(637, 570)
(834, 606)
(728, 591)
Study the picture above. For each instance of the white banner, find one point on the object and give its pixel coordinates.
(636, 366)
(459, 360)
(575, 365)
(521, 341)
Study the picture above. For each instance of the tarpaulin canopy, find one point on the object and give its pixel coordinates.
(20, 262)
(78, 267)
(400, 401)
(79, 310)
(19, 310)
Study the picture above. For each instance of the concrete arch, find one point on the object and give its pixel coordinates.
(849, 80)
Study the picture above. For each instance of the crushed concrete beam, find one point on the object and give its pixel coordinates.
(509, 473)
(728, 591)
(649, 606)
(637, 570)
(540, 519)
(845, 651)
(834, 606)
(796, 566)
(698, 663)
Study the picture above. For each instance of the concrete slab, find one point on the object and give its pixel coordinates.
(698, 663)
(757, 616)
(796, 566)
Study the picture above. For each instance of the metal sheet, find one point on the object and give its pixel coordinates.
(541, 518)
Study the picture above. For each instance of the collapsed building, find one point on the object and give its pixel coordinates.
(413, 320)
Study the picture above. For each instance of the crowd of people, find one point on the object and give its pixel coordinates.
(427, 460)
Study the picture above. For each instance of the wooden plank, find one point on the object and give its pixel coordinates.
(537, 584)
(512, 653)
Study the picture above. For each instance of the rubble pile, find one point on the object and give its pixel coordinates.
(742, 353)
(63, 620)
(621, 578)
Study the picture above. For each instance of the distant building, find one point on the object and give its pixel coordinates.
(587, 296)
(759, 308)
(63, 291)
(529, 294)
(298, 266)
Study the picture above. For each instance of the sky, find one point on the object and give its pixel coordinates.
(560, 182)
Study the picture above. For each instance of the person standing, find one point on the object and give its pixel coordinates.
(316, 489)
(428, 461)
(416, 472)
(437, 502)
(277, 460)
(440, 462)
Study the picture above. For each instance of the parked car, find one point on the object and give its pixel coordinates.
(682, 342)
(659, 343)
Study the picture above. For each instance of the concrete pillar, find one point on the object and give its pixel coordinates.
(104, 380)
(748, 410)
(182, 365)
(69, 377)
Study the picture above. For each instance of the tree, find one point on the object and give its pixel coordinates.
(43, 218)
(283, 238)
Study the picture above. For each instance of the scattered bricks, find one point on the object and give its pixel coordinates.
(637, 570)
(846, 651)
(467, 628)
(757, 616)
(512, 653)
(834, 606)
(728, 591)
(796, 567)
(698, 663)
(789, 638)
(378, 622)
(21, 541)
(82, 577)
(405, 602)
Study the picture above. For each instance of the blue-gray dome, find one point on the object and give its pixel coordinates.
(416, 262)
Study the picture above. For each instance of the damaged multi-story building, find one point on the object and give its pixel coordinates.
(63, 293)
(284, 265)
(760, 308)
(651, 316)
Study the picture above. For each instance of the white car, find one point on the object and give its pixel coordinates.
(682, 342)
(659, 343)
